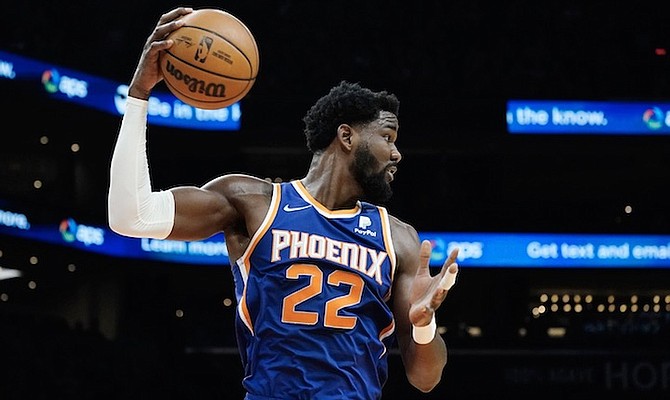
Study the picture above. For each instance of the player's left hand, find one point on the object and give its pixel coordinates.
(428, 292)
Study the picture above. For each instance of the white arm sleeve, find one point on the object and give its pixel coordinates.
(133, 208)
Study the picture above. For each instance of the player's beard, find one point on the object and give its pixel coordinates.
(376, 189)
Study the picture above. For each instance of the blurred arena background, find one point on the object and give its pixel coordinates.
(79, 325)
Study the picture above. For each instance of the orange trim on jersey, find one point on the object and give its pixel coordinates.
(388, 243)
(302, 191)
(386, 332)
(245, 265)
(244, 312)
(265, 225)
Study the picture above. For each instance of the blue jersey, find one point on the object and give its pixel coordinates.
(312, 289)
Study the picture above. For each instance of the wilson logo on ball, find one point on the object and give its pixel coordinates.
(195, 85)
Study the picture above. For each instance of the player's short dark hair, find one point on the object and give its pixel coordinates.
(346, 103)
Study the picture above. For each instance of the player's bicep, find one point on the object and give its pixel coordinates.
(200, 213)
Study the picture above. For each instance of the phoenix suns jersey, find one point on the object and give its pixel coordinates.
(312, 288)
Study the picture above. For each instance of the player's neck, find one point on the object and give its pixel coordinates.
(331, 184)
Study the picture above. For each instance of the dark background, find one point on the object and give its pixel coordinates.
(97, 327)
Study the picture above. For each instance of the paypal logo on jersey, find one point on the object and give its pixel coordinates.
(364, 223)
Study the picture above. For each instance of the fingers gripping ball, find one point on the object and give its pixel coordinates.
(213, 62)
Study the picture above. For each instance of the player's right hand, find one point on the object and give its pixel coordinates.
(148, 73)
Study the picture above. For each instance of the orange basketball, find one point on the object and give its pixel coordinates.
(213, 62)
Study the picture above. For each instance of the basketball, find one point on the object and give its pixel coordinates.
(213, 62)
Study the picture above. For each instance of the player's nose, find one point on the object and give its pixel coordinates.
(396, 156)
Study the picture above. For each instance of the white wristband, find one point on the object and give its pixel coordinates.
(425, 334)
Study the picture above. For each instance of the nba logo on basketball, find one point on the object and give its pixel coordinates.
(203, 49)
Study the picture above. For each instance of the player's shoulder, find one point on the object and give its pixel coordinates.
(240, 184)
(405, 242)
(403, 232)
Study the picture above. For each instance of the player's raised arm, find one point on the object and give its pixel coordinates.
(135, 209)
(417, 295)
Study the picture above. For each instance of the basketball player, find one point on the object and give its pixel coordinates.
(326, 281)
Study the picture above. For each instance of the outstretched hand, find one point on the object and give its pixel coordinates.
(148, 73)
(428, 292)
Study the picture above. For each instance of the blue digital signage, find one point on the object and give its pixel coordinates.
(552, 250)
(588, 117)
(479, 249)
(67, 85)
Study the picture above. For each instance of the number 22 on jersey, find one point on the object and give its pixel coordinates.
(332, 318)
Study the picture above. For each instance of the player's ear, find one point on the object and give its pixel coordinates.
(344, 136)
